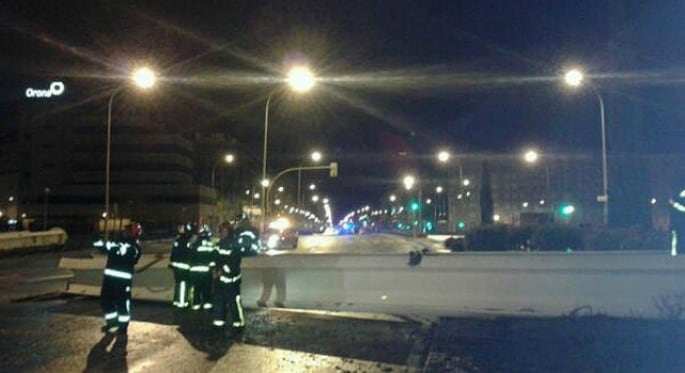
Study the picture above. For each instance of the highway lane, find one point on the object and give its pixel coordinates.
(378, 243)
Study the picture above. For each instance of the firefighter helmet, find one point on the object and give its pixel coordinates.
(190, 227)
(204, 231)
(133, 230)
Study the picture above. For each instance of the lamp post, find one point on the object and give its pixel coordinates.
(574, 78)
(145, 79)
(228, 159)
(444, 157)
(315, 157)
(45, 208)
(300, 79)
(409, 181)
(532, 156)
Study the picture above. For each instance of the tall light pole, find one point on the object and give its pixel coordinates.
(45, 208)
(228, 158)
(316, 158)
(301, 80)
(444, 157)
(574, 78)
(143, 78)
(532, 156)
(409, 181)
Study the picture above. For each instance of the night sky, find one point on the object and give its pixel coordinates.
(396, 76)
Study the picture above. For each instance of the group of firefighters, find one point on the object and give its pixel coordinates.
(206, 272)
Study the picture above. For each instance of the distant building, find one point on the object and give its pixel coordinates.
(524, 192)
(54, 158)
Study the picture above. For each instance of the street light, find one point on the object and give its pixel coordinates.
(228, 158)
(575, 78)
(144, 78)
(300, 79)
(531, 156)
(444, 156)
(316, 157)
(46, 191)
(408, 182)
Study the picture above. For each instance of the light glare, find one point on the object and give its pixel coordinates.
(531, 156)
(144, 78)
(573, 77)
(300, 79)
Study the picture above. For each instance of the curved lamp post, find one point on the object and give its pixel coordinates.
(575, 78)
(316, 157)
(228, 158)
(143, 78)
(300, 79)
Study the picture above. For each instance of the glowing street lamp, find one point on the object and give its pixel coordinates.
(228, 159)
(531, 156)
(574, 78)
(316, 157)
(299, 79)
(408, 182)
(143, 78)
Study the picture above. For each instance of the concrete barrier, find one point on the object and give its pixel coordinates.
(28, 241)
(641, 284)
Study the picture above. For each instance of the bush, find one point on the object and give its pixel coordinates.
(491, 238)
(560, 238)
(557, 238)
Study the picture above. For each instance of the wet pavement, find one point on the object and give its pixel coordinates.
(61, 333)
(57, 333)
(43, 330)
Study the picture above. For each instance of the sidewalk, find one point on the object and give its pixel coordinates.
(61, 334)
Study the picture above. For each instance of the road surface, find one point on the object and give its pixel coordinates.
(44, 330)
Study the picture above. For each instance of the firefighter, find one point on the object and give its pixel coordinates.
(677, 219)
(248, 236)
(122, 256)
(226, 268)
(179, 264)
(201, 253)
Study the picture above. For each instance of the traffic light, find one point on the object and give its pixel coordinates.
(567, 209)
(414, 206)
(461, 225)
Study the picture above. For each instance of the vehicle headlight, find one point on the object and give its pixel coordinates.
(272, 241)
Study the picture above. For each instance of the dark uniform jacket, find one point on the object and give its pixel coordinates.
(227, 260)
(122, 256)
(202, 252)
(179, 252)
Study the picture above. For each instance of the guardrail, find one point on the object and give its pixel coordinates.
(29, 241)
(642, 284)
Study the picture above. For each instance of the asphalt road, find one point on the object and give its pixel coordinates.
(379, 243)
(44, 330)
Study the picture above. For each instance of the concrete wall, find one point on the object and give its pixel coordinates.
(642, 284)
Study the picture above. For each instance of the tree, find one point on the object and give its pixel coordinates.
(487, 206)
